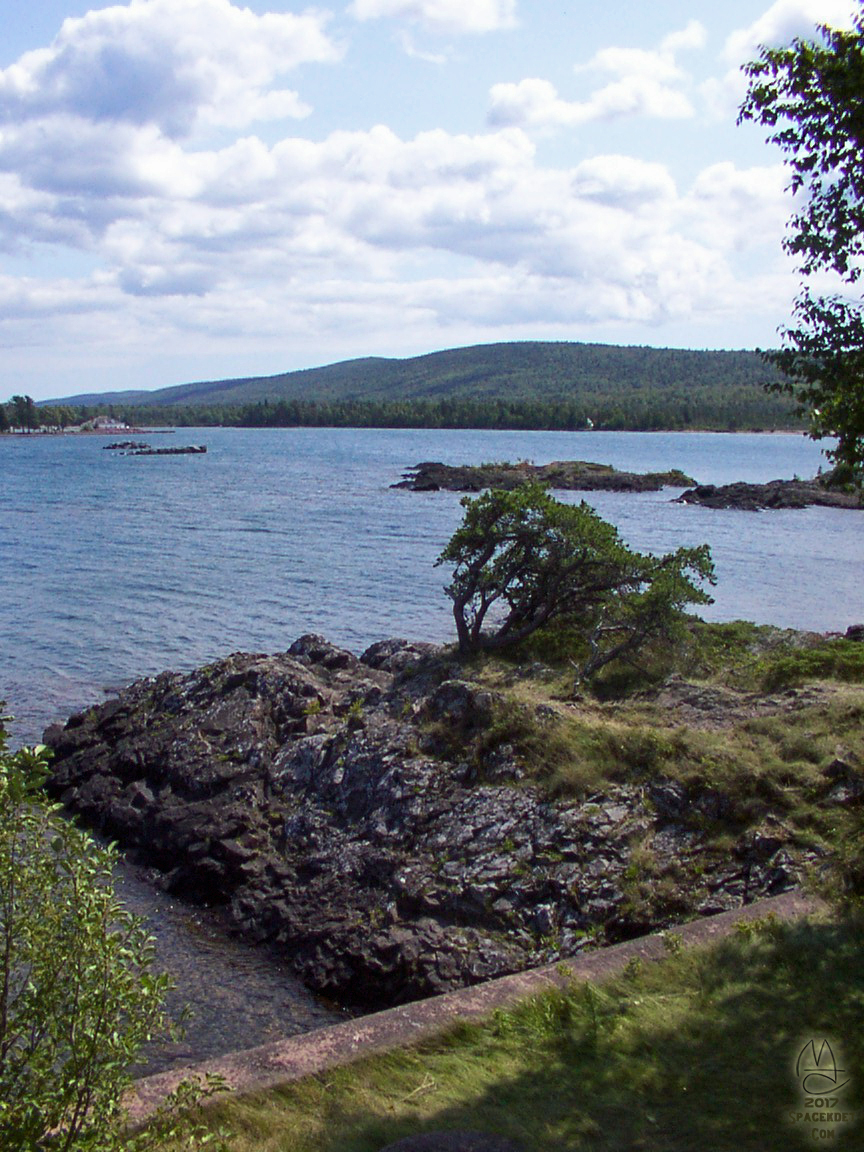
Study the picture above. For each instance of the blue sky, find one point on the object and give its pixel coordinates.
(197, 189)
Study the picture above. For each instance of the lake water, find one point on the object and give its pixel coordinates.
(113, 567)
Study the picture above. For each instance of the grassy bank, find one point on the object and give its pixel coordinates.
(695, 1052)
(748, 738)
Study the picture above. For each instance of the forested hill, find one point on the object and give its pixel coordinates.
(520, 371)
(530, 384)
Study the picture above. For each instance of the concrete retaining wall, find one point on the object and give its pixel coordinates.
(283, 1061)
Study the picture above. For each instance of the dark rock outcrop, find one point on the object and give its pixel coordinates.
(185, 450)
(142, 448)
(773, 495)
(359, 814)
(572, 475)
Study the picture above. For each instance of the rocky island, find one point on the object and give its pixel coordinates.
(775, 494)
(388, 823)
(139, 448)
(584, 476)
(563, 475)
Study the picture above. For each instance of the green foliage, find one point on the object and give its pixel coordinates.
(24, 413)
(495, 373)
(849, 872)
(823, 360)
(523, 561)
(712, 406)
(809, 96)
(841, 660)
(78, 995)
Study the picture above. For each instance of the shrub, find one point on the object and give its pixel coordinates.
(78, 994)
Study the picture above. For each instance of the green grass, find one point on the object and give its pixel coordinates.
(752, 657)
(695, 1052)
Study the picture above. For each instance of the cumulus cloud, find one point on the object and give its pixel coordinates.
(740, 211)
(363, 237)
(296, 234)
(173, 64)
(449, 16)
(648, 83)
(658, 64)
(410, 48)
(30, 299)
(359, 208)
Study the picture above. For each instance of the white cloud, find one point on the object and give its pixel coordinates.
(648, 83)
(736, 210)
(365, 239)
(689, 38)
(358, 209)
(169, 63)
(532, 103)
(450, 16)
(409, 47)
(785, 21)
(292, 237)
(535, 103)
(623, 182)
(658, 64)
(30, 299)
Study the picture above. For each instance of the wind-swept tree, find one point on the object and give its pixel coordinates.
(524, 560)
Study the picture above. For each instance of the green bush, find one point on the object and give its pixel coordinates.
(78, 995)
(834, 660)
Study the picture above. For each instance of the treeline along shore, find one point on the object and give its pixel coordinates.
(740, 410)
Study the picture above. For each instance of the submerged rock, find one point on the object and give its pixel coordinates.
(362, 815)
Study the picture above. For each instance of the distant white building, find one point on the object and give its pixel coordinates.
(109, 424)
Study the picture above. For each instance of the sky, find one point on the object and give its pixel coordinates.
(203, 189)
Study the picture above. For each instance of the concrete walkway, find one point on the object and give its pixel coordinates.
(286, 1060)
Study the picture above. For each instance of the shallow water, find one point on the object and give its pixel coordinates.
(237, 995)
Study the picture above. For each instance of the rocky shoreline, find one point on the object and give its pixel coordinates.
(563, 475)
(369, 818)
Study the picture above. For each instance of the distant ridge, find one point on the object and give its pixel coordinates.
(525, 370)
